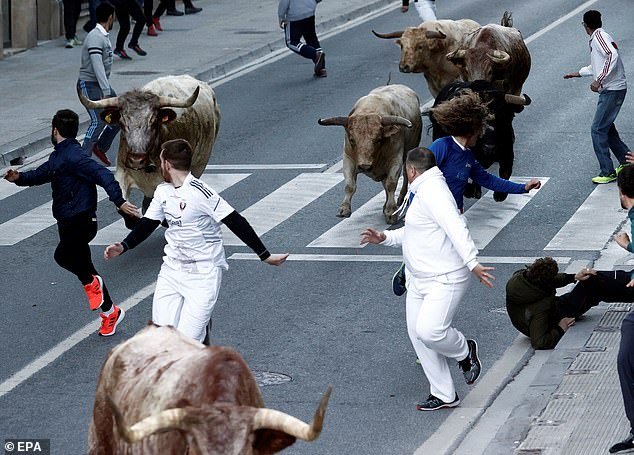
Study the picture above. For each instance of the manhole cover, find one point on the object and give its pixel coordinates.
(137, 73)
(264, 378)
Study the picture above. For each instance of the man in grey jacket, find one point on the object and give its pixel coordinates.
(93, 83)
(297, 18)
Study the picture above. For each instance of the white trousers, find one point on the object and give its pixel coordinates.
(185, 300)
(430, 308)
(426, 10)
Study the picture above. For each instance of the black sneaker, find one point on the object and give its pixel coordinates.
(192, 10)
(398, 281)
(123, 55)
(471, 365)
(626, 444)
(174, 12)
(136, 48)
(433, 403)
(319, 62)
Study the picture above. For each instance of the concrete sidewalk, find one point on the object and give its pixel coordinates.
(226, 35)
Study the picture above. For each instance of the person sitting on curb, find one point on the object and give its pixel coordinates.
(538, 313)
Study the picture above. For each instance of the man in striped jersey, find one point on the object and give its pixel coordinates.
(188, 283)
(609, 81)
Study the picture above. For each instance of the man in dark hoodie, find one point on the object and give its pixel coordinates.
(538, 313)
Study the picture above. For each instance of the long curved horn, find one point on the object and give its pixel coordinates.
(167, 101)
(98, 104)
(333, 121)
(521, 100)
(435, 34)
(276, 420)
(387, 120)
(169, 419)
(499, 57)
(388, 35)
(457, 54)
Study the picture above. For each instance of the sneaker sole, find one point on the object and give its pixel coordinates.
(442, 406)
(114, 329)
(479, 363)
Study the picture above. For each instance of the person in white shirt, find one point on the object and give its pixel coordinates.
(606, 68)
(440, 257)
(189, 281)
(426, 9)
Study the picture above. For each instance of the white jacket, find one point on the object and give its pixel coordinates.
(435, 237)
(605, 63)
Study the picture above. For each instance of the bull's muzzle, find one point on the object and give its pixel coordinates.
(137, 162)
(404, 68)
(364, 167)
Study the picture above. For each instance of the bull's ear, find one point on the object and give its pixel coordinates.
(457, 57)
(111, 116)
(390, 130)
(167, 115)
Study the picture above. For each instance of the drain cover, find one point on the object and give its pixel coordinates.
(137, 73)
(265, 378)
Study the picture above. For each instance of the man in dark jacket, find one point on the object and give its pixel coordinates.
(73, 176)
(538, 313)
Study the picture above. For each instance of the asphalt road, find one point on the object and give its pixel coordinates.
(318, 322)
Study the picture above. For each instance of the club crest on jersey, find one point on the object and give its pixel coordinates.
(183, 204)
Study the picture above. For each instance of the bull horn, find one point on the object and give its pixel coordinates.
(276, 420)
(387, 120)
(521, 100)
(457, 54)
(337, 121)
(499, 57)
(98, 104)
(167, 101)
(435, 34)
(388, 35)
(169, 419)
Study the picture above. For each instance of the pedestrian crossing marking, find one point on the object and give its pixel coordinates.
(593, 224)
(284, 202)
(9, 189)
(117, 231)
(32, 222)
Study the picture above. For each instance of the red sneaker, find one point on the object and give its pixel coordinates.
(101, 155)
(94, 291)
(109, 323)
(157, 23)
(151, 30)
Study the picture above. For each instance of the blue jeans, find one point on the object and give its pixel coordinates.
(99, 132)
(604, 134)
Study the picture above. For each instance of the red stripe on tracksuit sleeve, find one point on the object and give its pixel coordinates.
(606, 49)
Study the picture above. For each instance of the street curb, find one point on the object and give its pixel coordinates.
(33, 143)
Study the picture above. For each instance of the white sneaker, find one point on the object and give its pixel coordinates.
(77, 41)
(70, 43)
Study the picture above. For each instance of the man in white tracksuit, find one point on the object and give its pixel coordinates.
(426, 9)
(440, 257)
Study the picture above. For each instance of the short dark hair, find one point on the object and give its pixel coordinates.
(67, 123)
(421, 159)
(592, 19)
(463, 115)
(625, 180)
(179, 153)
(104, 11)
(542, 273)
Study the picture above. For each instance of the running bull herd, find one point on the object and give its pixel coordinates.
(161, 393)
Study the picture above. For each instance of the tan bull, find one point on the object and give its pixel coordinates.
(380, 129)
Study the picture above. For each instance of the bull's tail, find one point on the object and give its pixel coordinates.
(507, 19)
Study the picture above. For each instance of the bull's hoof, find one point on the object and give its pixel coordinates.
(499, 197)
(344, 213)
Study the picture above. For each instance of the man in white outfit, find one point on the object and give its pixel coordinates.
(426, 9)
(189, 281)
(439, 257)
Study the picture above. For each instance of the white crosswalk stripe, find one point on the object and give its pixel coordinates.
(117, 231)
(9, 189)
(590, 228)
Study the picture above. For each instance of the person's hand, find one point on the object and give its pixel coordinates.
(565, 323)
(372, 236)
(404, 8)
(595, 86)
(481, 272)
(129, 209)
(282, 24)
(571, 75)
(113, 250)
(276, 259)
(630, 284)
(12, 175)
(622, 239)
(629, 157)
(533, 184)
(584, 274)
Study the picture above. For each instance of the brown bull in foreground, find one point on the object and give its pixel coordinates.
(380, 129)
(424, 49)
(162, 393)
(171, 107)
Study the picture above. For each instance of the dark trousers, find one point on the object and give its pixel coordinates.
(73, 252)
(124, 9)
(163, 6)
(625, 366)
(72, 8)
(604, 287)
(305, 28)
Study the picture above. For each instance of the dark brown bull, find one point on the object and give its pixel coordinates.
(160, 392)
